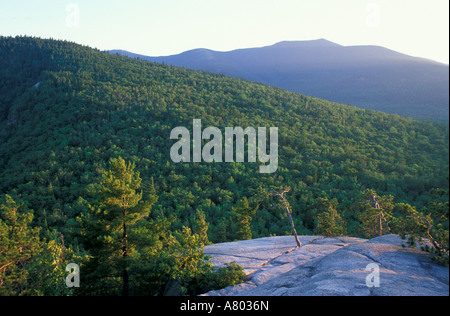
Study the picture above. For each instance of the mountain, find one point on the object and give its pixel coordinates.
(68, 113)
(369, 77)
(66, 109)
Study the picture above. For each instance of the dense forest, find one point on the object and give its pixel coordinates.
(79, 127)
(369, 77)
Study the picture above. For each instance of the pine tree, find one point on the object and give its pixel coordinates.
(243, 213)
(329, 222)
(19, 246)
(428, 228)
(221, 232)
(106, 227)
(200, 227)
(375, 213)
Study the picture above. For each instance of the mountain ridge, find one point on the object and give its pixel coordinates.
(71, 116)
(366, 76)
(91, 106)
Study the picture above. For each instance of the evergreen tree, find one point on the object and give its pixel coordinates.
(200, 227)
(48, 270)
(221, 234)
(375, 213)
(19, 246)
(106, 227)
(329, 222)
(429, 228)
(243, 213)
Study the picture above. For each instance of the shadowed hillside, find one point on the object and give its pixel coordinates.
(86, 174)
(368, 77)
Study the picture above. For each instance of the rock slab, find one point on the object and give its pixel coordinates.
(341, 266)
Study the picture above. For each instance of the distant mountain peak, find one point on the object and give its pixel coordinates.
(367, 76)
(311, 43)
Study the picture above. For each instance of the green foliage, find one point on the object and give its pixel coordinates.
(374, 213)
(179, 259)
(29, 264)
(243, 213)
(47, 272)
(201, 227)
(182, 262)
(429, 228)
(107, 229)
(20, 244)
(229, 275)
(91, 107)
(329, 221)
(132, 254)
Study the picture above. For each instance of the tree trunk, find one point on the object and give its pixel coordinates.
(380, 229)
(286, 205)
(377, 206)
(294, 232)
(125, 289)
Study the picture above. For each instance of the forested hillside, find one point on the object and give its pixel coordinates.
(66, 110)
(368, 77)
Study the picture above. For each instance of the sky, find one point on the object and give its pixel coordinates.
(418, 28)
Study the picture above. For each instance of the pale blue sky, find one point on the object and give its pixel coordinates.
(163, 27)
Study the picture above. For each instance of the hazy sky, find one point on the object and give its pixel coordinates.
(163, 27)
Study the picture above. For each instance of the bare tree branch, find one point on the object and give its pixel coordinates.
(287, 207)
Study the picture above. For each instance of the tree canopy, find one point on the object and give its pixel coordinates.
(86, 134)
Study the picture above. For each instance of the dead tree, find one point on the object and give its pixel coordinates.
(378, 214)
(287, 207)
(381, 216)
